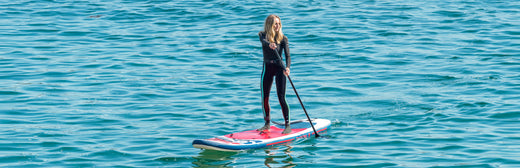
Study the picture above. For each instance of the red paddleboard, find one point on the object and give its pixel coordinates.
(253, 139)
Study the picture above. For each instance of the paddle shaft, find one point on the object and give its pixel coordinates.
(297, 95)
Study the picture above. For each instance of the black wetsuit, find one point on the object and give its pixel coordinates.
(273, 66)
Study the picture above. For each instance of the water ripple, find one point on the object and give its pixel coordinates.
(131, 84)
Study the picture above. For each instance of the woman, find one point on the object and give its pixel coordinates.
(273, 44)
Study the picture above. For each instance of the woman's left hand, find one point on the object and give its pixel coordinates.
(287, 71)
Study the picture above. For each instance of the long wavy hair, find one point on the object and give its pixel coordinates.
(271, 35)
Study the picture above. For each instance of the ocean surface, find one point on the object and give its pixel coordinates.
(124, 83)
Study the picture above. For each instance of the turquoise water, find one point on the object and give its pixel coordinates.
(92, 83)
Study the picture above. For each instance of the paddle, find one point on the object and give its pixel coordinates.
(288, 77)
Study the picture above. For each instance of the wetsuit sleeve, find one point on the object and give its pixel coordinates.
(287, 53)
(262, 39)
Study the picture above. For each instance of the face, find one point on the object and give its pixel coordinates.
(277, 24)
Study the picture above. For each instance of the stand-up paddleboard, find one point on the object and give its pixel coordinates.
(253, 139)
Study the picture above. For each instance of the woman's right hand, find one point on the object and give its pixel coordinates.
(273, 46)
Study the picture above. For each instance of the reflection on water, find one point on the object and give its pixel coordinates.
(276, 156)
(212, 158)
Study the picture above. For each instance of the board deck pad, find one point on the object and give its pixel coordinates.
(253, 139)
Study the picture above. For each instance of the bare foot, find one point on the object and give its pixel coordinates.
(265, 127)
(287, 130)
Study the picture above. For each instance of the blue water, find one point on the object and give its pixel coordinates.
(92, 83)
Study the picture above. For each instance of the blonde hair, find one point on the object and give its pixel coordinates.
(271, 35)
